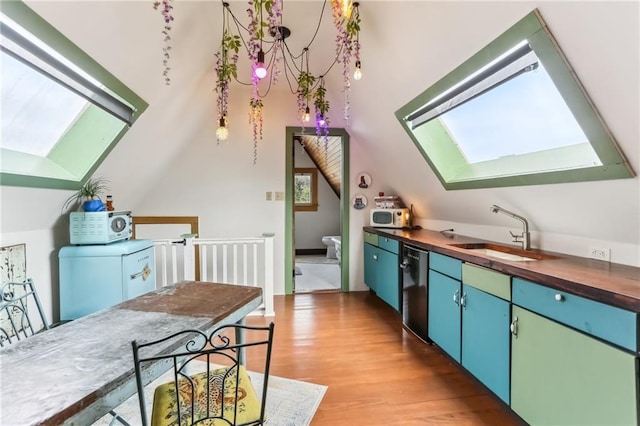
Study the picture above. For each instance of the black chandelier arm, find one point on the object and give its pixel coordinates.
(287, 67)
(324, 4)
(293, 58)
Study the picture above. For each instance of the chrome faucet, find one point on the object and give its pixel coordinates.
(525, 237)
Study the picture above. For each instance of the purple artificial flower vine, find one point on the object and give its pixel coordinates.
(226, 68)
(343, 52)
(322, 110)
(168, 19)
(255, 118)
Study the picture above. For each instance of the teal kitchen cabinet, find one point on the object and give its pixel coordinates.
(571, 362)
(471, 324)
(444, 321)
(382, 268)
(486, 339)
(486, 318)
(370, 266)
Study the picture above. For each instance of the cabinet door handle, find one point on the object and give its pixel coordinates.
(456, 297)
(559, 297)
(375, 257)
(514, 326)
(146, 271)
(463, 300)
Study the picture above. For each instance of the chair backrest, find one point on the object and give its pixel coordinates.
(206, 371)
(21, 314)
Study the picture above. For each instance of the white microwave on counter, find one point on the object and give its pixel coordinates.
(390, 218)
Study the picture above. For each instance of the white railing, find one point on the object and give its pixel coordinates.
(244, 261)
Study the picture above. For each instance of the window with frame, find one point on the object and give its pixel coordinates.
(62, 112)
(513, 114)
(305, 189)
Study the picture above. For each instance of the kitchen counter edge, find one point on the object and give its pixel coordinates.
(611, 283)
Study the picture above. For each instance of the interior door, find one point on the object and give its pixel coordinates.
(290, 241)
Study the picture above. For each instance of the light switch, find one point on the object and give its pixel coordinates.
(269, 196)
(279, 196)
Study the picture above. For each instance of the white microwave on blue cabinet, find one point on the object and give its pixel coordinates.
(100, 227)
(390, 218)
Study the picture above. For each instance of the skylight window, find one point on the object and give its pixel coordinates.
(29, 97)
(58, 120)
(513, 114)
(524, 115)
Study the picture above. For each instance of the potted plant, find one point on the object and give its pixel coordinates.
(88, 196)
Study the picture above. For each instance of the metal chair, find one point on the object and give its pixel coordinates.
(22, 316)
(209, 383)
(18, 301)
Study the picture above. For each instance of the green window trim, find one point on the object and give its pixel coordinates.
(449, 163)
(81, 150)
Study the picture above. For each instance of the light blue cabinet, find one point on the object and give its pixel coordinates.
(389, 278)
(471, 325)
(444, 313)
(95, 277)
(485, 339)
(370, 266)
(382, 269)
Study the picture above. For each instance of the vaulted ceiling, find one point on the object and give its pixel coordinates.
(406, 47)
(326, 154)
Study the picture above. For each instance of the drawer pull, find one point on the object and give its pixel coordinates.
(514, 326)
(456, 297)
(146, 271)
(559, 297)
(375, 257)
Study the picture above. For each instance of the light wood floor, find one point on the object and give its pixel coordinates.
(376, 372)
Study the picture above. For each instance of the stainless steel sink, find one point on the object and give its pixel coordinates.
(498, 251)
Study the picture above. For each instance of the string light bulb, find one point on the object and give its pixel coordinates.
(346, 9)
(357, 74)
(222, 132)
(307, 115)
(261, 70)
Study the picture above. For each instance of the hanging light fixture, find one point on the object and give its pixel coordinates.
(265, 62)
(357, 74)
(226, 68)
(261, 69)
(222, 132)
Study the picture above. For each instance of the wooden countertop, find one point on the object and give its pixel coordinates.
(611, 283)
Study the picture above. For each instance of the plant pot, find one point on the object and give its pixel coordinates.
(93, 206)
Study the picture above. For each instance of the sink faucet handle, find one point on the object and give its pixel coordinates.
(516, 238)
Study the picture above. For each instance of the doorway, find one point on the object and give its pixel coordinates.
(325, 270)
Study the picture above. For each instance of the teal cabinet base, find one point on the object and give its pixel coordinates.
(486, 339)
(444, 313)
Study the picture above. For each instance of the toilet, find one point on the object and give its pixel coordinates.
(331, 246)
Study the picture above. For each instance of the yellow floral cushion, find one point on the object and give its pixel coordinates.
(165, 409)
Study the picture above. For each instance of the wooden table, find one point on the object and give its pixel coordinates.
(78, 372)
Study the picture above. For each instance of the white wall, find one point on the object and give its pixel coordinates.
(311, 226)
(170, 163)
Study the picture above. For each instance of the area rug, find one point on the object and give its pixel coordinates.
(289, 402)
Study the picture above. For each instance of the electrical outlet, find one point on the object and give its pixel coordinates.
(269, 198)
(599, 253)
(279, 196)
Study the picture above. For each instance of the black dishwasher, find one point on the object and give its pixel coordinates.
(414, 290)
